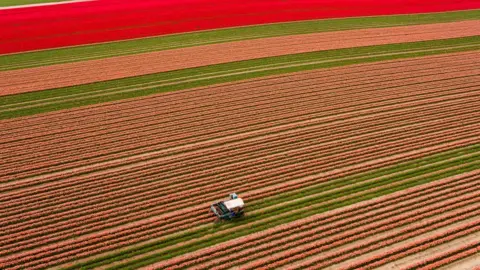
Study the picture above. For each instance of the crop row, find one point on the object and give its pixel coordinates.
(199, 98)
(214, 141)
(319, 245)
(120, 219)
(19, 149)
(122, 144)
(127, 122)
(150, 189)
(273, 220)
(256, 227)
(170, 220)
(78, 180)
(10, 238)
(447, 258)
(417, 246)
(180, 59)
(209, 106)
(158, 141)
(103, 242)
(282, 240)
(38, 191)
(153, 202)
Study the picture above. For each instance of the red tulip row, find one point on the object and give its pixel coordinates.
(417, 246)
(448, 257)
(196, 97)
(39, 163)
(272, 241)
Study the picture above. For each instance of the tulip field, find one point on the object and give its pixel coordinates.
(353, 147)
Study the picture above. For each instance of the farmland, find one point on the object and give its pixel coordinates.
(353, 147)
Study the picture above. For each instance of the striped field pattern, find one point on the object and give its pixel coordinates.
(363, 157)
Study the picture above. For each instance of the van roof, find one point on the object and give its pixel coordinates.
(231, 204)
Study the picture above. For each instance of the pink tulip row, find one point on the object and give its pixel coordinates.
(128, 108)
(142, 227)
(298, 254)
(252, 93)
(365, 166)
(104, 218)
(405, 234)
(289, 230)
(323, 244)
(163, 138)
(150, 118)
(448, 257)
(77, 141)
(125, 109)
(84, 246)
(242, 87)
(289, 256)
(296, 239)
(417, 246)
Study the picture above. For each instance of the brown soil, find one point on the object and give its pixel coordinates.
(62, 75)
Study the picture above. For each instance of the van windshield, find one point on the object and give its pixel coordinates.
(223, 207)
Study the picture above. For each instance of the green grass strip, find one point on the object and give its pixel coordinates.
(9, 3)
(401, 167)
(70, 97)
(98, 51)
